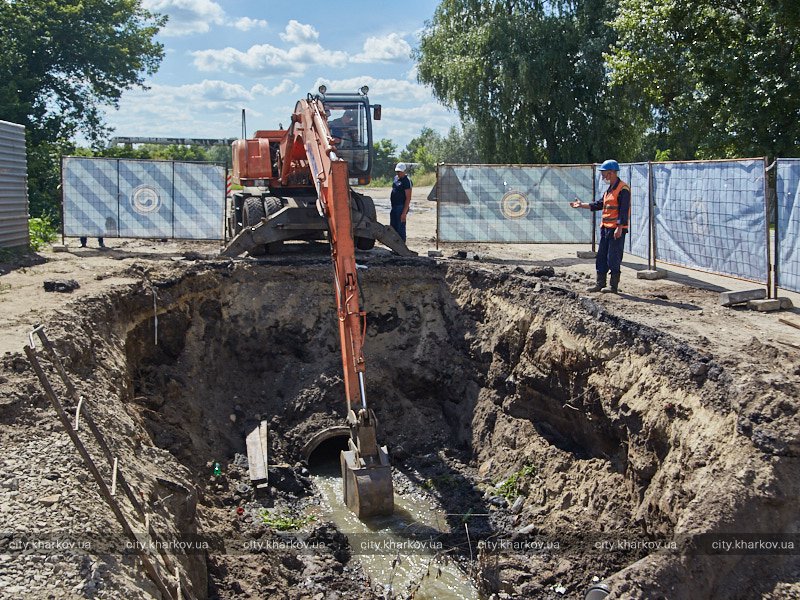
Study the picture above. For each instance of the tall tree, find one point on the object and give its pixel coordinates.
(531, 76)
(721, 77)
(61, 61)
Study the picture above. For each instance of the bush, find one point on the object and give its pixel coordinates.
(42, 230)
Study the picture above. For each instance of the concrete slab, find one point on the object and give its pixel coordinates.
(59, 247)
(435, 253)
(764, 305)
(651, 274)
(586, 254)
(731, 298)
(786, 303)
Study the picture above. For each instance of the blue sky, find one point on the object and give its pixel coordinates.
(225, 55)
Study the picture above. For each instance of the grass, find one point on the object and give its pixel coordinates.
(440, 481)
(512, 487)
(42, 231)
(285, 521)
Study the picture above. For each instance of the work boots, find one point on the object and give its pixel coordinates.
(601, 283)
(613, 288)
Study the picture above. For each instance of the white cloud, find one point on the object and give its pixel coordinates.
(187, 16)
(263, 59)
(298, 33)
(391, 48)
(209, 94)
(398, 90)
(246, 23)
(284, 87)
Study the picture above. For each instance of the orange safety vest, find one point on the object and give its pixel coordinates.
(611, 206)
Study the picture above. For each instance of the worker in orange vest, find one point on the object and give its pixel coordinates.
(616, 207)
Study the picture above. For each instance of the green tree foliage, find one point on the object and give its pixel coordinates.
(531, 76)
(61, 62)
(384, 159)
(423, 150)
(721, 77)
(460, 145)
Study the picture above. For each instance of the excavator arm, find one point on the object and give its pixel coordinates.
(366, 473)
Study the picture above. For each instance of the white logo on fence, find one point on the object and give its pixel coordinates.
(514, 205)
(145, 199)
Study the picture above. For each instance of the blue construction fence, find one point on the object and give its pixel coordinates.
(109, 197)
(706, 215)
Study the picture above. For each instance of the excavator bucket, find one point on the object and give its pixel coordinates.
(368, 489)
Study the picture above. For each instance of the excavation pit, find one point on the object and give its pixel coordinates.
(560, 444)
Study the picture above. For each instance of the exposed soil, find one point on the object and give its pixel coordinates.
(634, 424)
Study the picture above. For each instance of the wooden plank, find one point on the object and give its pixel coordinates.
(257, 458)
(794, 324)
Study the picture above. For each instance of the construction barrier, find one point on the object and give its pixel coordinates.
(512, 204)
(142, 198)
(706, 215)
(788, 224)
(711, 216)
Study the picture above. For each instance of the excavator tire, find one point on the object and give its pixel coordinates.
(252, 213)
(273, 205)
(366, 206)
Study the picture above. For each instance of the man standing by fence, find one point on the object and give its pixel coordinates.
(616, 207)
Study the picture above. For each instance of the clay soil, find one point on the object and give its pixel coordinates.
(582, 438)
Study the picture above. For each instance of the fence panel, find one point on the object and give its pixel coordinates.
(147, 187)
(710, 216)
(788, 224)
(512, 204)
(91, 207)
(637, 241)
(142, 198)
(196, 217)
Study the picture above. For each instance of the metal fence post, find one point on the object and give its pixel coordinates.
(594, 213)
(766, 226)
(651, 203)
(776, 263)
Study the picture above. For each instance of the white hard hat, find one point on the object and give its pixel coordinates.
(400, 167)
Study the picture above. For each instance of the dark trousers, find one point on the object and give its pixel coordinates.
(609, 254)
(394, 220)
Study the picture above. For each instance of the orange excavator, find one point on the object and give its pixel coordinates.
(311, 165)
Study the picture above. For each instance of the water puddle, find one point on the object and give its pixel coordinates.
(403, 552)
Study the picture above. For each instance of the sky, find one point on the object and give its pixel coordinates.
(222, 56)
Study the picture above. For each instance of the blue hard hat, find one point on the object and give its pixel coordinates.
(610, 165)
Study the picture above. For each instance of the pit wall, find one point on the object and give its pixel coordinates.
(627, 428)
(632, 432)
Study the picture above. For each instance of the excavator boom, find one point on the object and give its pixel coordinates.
(366, 472)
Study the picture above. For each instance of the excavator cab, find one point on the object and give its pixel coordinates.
(350, 123)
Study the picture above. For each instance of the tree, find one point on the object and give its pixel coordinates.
(61, 61)
(531, 77)
(720, 77)
(423, 150)
(461, 146)
(384, 159)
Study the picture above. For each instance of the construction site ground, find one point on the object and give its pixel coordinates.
(632, 423)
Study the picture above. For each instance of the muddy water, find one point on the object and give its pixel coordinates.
(398, 552)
